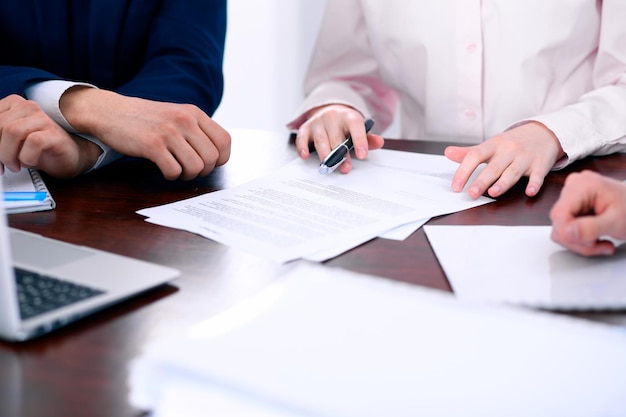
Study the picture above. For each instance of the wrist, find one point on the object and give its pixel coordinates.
(550, 135)
(89, 152)
(81, 105)
(337, 107)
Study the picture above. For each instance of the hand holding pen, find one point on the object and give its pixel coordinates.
(338, 155)
(328, 126)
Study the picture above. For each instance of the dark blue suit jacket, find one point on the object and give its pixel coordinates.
(165, 50)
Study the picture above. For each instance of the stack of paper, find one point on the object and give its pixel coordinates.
(299, 213)
(326, 342)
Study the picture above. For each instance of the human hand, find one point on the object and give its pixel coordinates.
(528, 150)
(328, 126)
(590, 206)
(182, 140)
(30, 138)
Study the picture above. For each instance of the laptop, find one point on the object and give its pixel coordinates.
(47, 283)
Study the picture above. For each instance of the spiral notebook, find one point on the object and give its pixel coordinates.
(34, 194)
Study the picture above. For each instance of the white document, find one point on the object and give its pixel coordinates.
(328, 342)
(418, 163)
(299, 213)
(522, 265)
(404, 231)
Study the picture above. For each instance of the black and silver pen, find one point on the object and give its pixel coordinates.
(340, 153)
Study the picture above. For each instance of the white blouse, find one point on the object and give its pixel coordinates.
(465, 70)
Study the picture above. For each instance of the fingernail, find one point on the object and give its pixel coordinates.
(496, 190)
(572, 233)
(457, 185)
(606, 251)
(303, 153)
(531, 191)
(474, 191)
(360, 152)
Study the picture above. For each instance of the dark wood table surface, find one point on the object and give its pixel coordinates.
(82, 370)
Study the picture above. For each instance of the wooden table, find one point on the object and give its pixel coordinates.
(82, 370)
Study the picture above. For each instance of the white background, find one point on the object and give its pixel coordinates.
(268, 47)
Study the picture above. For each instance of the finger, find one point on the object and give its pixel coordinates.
(194, 161)
(302, 141)
(33, 147)
(505, 179)
(162, 155)
(580, 232)
(219, 137)
(591, 228)
(25, 133)
(375, 141)
(511, 176)
(560, 212)
(169, 166)
(567, 235)
(535, 182)
(600, 248)
(213, 145)
(472, 158)
(572, 202)
(536, 176)
(9, 102)
(200, 165)
(356, 130)
(346, 166)
(326, 137)
(12, 138)
(338, 132)
(193, 148)
(456, 153)
(491, 174)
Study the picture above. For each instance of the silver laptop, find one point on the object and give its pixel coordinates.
(46, 283)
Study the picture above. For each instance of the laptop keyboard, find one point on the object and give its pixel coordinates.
(38, 294)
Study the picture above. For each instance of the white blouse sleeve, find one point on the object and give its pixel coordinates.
(343, 69)
(596, 123)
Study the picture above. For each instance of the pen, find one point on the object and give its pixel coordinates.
(25, 196)
(339, 154)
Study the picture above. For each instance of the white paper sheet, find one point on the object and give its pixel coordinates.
(328, 342)
(404, 231)
(522, 265)
(298, 213)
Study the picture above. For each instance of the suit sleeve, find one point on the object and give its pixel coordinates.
(184, 55)
(14, 80)
(165, 50)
